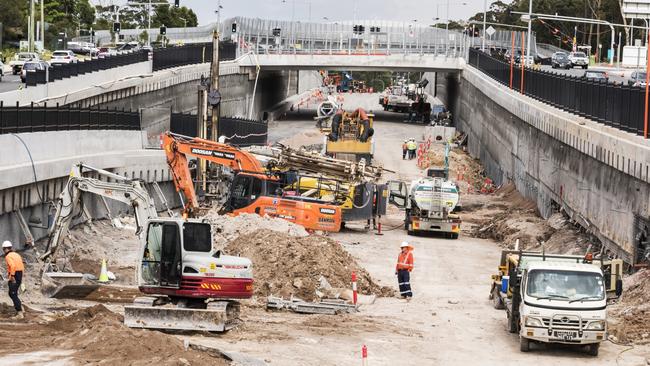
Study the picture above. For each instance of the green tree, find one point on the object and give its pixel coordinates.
(174, 17)
(13, 16)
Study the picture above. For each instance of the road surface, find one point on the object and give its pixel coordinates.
(450, 321)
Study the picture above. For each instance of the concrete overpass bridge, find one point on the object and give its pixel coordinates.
(555, 157)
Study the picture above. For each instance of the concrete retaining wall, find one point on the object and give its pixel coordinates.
(597, 174)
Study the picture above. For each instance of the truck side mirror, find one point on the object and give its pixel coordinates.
(619, 287)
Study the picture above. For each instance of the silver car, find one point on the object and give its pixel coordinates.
(579, 59)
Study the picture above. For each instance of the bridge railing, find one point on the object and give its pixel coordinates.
(613, 104)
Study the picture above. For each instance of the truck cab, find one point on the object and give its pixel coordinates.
(556, 298)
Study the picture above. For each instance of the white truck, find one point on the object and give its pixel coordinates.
(429, 203)
(552, 298)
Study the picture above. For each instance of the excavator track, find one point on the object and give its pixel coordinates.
(155, 313)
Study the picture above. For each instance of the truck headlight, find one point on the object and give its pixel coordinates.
(596, 325)
(533, 322)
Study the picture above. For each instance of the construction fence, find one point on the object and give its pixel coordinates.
(616, 105)
(62, 71)
(164, 58)
(238, 131)
(15, 119)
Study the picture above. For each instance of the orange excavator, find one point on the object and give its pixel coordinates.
(254, 189)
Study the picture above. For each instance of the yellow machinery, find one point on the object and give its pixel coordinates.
(350, 136)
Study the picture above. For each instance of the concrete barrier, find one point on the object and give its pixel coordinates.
(58, 90)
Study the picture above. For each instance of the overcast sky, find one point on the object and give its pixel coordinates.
(402, 10)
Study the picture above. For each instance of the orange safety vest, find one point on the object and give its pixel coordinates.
(405, 261)
(404, 147)
(14, 263)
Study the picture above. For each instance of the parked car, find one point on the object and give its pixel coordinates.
(559, 54)
(63, 57)
(561, 60)
(106, 52)
(32, 66)
(595, 75)
(579, 59)
(2, 70)
(637, 79)
(20, 58)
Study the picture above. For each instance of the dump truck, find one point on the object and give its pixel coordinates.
(553, 298)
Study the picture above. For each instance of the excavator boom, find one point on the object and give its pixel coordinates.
(253, 190)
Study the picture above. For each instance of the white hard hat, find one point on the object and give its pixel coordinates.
(404, 244)
(6, 244)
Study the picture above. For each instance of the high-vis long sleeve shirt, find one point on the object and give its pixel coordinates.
(14, 263)
(405, 261)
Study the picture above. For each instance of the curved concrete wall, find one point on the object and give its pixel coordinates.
(599, 175)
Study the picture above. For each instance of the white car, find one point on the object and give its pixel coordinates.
(579, 59)
(63, 57)
(20, 58)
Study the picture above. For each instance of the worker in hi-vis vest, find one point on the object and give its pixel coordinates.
(403, 270)
(15, 268)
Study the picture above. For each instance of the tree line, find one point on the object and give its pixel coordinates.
(78, 17)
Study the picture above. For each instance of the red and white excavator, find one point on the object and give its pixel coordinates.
(188, 285)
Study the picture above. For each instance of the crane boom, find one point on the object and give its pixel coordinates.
(128, 191)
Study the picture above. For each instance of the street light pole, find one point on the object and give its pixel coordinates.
(530, 21)
(484, 22)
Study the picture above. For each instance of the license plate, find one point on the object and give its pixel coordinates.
(565, 335)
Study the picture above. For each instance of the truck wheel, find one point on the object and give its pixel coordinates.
(592, 349)
(524, 344)
(497, 303)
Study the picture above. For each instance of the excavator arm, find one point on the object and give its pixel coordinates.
(178, 148)
(131, 192)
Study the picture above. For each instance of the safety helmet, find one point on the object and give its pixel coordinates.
(6, 244)
(404, 245)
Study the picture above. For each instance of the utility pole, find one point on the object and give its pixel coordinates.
(530, 21)
(484, 22)
(31, 26)
(43, 24)
(214, 74)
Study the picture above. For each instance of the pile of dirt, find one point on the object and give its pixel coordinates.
(516, 217)
(629, 319)
(97, 335)
(285, 265)
(226, 228)
(86, 245)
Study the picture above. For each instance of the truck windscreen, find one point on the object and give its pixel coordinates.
(565, 285)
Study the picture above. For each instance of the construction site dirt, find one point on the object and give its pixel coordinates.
(449, 321)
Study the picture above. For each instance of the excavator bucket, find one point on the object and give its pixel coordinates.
(219, 316)
(66, 285)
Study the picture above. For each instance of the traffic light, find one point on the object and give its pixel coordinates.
(276, 32)
(355, 29)
(177, 3)
(163, 30)
(116, 27)
(362, 29)
(234, 28)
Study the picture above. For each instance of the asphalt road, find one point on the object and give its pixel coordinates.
(10, 82)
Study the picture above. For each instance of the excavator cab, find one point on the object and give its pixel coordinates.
(161, 258)
(167, 242)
